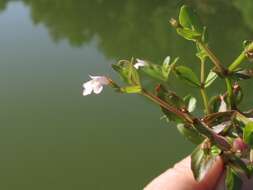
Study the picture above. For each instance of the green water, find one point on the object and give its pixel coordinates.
(53, 138)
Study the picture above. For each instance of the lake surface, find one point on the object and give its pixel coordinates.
(53, 138)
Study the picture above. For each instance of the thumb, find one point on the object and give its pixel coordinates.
(180, 177)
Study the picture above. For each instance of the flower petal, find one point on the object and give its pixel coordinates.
(101, 79)
(88, 87)
(98, 89)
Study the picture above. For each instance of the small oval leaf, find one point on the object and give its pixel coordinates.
(248, 134)
(187, 75)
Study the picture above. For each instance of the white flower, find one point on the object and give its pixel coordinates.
(140, 63)
(95, 84)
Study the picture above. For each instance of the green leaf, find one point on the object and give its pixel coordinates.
(243, 74)
(131, 89)
(218, 118)
(215, 151)
(189, 19)
(166, 61)
(159, 72)
(248, 134)
(155, 71)
(201, 162)
(242, 118)
(233, 180)
(168, 66)
(172, 99)
(190, 133)
(211, 77)
(214, 104)
(127, 72)
(201, 53)
(191, 103)
(238, 165)
(238, 95)
(187, 75)
(188, 34)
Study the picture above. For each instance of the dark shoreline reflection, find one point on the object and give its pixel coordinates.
(139, 28)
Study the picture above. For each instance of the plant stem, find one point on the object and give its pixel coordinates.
(202, 89)
(223, 70)
(205, 100)
(186, 117)
(230, 93)
(242, 57)
(237, 61)
(213, 58)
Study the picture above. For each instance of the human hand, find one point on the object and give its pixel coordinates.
(180, 177)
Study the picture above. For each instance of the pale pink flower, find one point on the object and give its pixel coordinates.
(95, 85)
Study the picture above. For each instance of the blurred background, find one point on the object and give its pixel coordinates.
(53, 138)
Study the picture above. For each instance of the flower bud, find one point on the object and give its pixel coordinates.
(239, 145)
(175, 23)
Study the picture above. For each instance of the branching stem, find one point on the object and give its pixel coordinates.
(213, 58)
(186, 117)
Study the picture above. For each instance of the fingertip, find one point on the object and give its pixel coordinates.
(180, 177)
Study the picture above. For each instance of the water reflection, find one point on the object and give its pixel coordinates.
(139, 28)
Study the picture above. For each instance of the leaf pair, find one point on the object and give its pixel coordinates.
(160, 72)
(186, 74)
(186, 104)
(190, 133)
(190, 26)
(127, 71)
(130, 75)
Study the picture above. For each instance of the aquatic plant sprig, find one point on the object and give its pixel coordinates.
(224, 130)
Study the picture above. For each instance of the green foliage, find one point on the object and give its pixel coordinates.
(211, 77)
(187, 75)
(127, 72)
(160, 72)
(224, 129)
(190, 133)
(191, 103)
(190, 27)
(233, 180)
(248, 134)
(189, 19)
(201, 162)
(238, 165)
(171, 99)
(131, 89)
